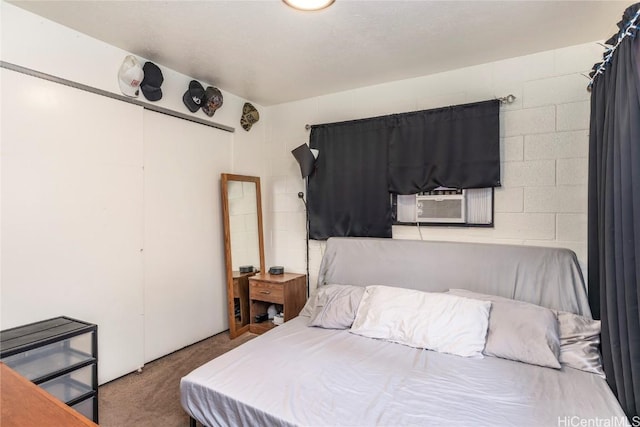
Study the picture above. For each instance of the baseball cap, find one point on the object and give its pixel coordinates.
(212, 100)
(249, 116)
(129, 76)
(194, 96)
(152, 81)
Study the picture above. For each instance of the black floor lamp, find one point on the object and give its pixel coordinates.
(306, 158)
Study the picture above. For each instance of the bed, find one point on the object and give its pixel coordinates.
(302, 375)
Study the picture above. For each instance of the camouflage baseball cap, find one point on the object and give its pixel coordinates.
(249, 116)
(212, 100)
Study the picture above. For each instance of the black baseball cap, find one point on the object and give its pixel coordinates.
(193, 98)
(152, 81)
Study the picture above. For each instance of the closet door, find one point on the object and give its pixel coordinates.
(185, 282)
(71, 214)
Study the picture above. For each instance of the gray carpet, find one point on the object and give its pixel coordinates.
(152, 397)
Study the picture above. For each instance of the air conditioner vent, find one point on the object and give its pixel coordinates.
(448, 208)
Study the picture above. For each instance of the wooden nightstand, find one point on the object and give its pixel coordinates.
(288, 290)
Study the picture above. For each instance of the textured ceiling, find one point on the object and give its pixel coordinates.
(268, 53)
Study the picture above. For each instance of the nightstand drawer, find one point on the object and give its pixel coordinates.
(270, 292)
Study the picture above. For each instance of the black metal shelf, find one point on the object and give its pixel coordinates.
(51, 353)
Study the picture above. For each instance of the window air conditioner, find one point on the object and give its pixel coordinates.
(446, 208)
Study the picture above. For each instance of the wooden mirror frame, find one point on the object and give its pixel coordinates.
(235, 329)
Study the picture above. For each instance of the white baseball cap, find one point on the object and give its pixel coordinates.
(130, 76)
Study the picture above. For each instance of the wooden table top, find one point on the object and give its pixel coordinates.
(22, 403)
(276, 278)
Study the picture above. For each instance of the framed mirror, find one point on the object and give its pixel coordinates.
(243, 244)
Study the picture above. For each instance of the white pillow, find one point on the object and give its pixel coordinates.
(435, 321)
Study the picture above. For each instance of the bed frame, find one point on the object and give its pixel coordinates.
(550, 277)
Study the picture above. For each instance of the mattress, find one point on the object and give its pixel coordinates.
(297, 375)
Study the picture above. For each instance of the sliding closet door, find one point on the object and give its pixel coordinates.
(71, 224)
(185, 290)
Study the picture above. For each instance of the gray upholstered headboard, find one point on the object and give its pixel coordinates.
(550, 277)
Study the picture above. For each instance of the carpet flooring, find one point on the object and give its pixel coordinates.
(152, 397)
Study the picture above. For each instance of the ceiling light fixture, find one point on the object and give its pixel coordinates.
(308, 4)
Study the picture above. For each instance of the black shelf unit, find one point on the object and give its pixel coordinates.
(61, 356)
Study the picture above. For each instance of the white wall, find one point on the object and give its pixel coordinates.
(145, 305)
(544, 147)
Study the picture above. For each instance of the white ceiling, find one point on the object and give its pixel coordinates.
(268, 53)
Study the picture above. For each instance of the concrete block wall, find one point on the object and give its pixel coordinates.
(544, 150)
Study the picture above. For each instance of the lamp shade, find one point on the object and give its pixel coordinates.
(305, 159)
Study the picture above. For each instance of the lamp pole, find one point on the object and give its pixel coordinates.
(306, 211)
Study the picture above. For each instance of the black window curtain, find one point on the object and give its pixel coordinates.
(457, 146)
(614, 214)
(347, 193)
(362, 161)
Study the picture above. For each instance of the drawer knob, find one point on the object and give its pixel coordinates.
(265, 292)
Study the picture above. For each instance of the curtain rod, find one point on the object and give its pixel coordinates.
(503, 100)
(630, 30)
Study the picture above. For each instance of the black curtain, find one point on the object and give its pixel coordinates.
(614, 215)
(347, 193)
(362, 161)
(457, 147)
